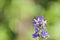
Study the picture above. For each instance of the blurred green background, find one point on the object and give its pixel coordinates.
(16, 18)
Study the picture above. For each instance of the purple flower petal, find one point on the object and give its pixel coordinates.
(40, 18)
(36, 29)
(40, 23)
(34, 35)
(44, 34)
(35, 20)
(36, 25)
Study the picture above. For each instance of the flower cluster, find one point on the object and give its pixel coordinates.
(40, 28)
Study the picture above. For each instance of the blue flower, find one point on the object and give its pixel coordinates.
(40, 18)
(35, 20)
(44, 34)
(34, 35)
(36, 23)
(36, 29)
(40, 23)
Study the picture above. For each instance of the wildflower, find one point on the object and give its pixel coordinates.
(36, 29)
(40, 23)
(40, 32)
(44, 34)
(40, 18)
(34, 35)
(36, 23)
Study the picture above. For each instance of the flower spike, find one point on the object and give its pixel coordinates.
(40, 28)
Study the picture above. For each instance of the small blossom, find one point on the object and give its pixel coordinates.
(44, 34)
(40, 18)
(34, 35)
(36, 23)
(36, 29)
(40, 23)
(35, 20)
